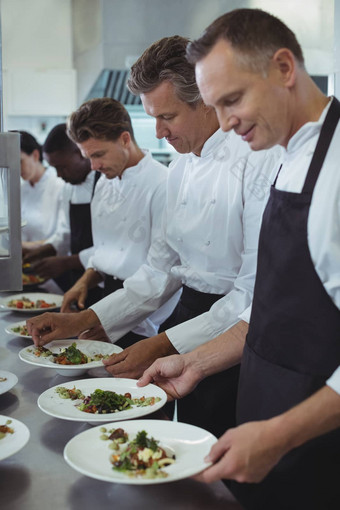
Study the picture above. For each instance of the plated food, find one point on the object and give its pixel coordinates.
(31, 302)
(101, 400)
(7, 381)
(18, 329)
(29, 278)
(137, 456)
(81, 355)
(184, 445)
(14, 435)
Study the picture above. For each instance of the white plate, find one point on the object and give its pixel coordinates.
(9, 329)
(90, 455)
(51, 403)
(88, 347)
(11, 380)
(12, 443)
(33, 296)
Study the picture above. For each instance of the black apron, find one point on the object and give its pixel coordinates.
(80, 223)
(292, 348)
(212, 404)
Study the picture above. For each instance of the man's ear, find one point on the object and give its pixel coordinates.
(36, 155)
(125, 139)
(286, 65)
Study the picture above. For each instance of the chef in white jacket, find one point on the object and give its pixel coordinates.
(41, 191)
(126, 209)
(216, 193)
(57, 257)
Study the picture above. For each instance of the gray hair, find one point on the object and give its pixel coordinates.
(165, 60)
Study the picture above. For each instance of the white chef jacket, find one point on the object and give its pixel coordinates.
(210, 235)
(324, 213)
(72, 194)
(41, 205)
(126, 217)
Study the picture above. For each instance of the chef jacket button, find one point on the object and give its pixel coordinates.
(213, 201)
(115, 277)
(207, 243)
(184, 202)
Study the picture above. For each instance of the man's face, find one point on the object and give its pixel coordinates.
(69, 164)
(28, 164)
(108, 157)
(176, 121)
(256, 107)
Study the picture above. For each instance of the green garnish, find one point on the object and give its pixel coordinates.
(143, 441)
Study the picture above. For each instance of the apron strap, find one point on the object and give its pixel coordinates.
(325, 138)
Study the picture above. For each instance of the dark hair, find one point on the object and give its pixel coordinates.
(57, 140)
(165, 60)
(100, 118)
(255, 34)
(28, 143)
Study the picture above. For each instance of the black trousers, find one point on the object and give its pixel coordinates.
(212, 404)
(112, 284)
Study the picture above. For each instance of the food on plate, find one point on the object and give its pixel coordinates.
(22, 330)
(140, 457)
(26, 304)
(67, 356)
(105, 401)
(31, 279)
(3, 379)
(5, 429)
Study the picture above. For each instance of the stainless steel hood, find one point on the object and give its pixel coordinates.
(112, 83)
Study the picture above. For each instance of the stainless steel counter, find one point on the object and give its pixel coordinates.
(38, 478)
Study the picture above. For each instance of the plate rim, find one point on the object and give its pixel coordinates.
(68, 368)
(12, 384)
(143, 423)
(30, 295)
(104, 418)
(25, 431)
(16, 324)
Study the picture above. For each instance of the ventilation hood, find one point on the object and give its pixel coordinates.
(112, 83)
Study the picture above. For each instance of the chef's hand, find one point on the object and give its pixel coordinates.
(95, 333)
(138, 357)
(76, 295)
(52, 326)
(246, 453)
(37, 253)
(173, 374)
(49, 267)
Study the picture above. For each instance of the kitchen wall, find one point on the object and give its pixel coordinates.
(115, 32)
(54, 50)
(39, 77)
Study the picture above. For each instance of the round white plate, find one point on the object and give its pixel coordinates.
(51, 403)
(90, 455)
(11, 380)
(33, 296)
(10, 327)
(12, 443)
(88, 347)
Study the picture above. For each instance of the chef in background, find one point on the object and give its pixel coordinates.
(126, 209)
(57, 257)
(41, 190)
